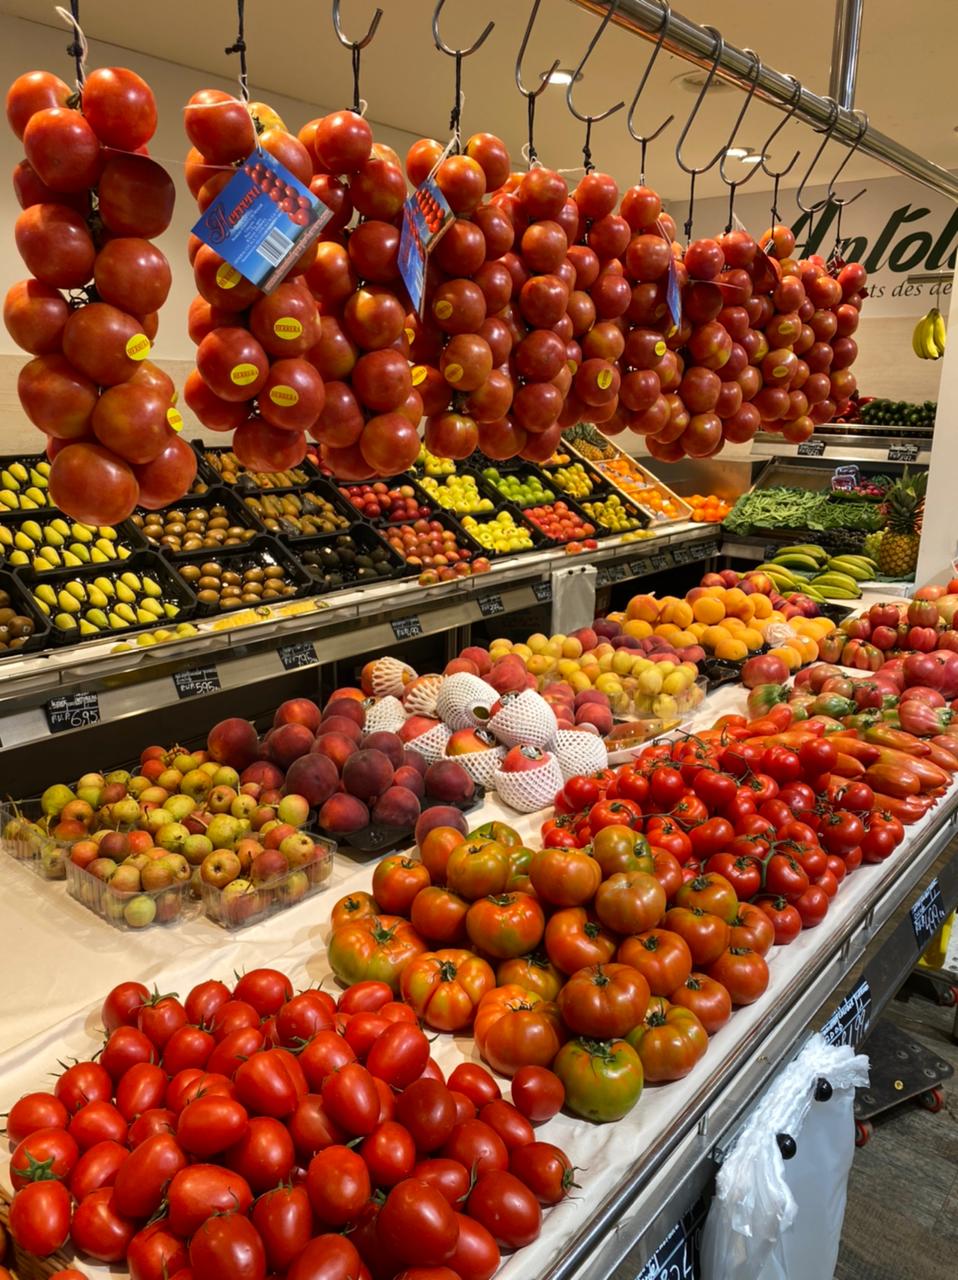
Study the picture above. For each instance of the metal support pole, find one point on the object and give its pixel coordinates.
(688, 40)
(845, 45)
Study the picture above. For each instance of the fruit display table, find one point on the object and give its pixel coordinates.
(640, 1174)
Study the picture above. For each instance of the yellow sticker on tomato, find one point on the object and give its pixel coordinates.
(604, 379)
(288, 328)
(443, 309)
(453, 372)
(174, 418)
(410, 334)
(660, 348)
(243, 374)
(227, 277)
(418, 374)
(780, 371)
(283, 395)
(138, 346)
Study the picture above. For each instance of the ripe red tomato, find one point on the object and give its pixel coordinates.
(98, 1231)
(538, 1093)
(399, 1055)
(478, 1085)
(228, 1247)
(476, 1256)
(427, 1110)
(784, 877)
(142, 1179)
(49, 1153)
(515, 1028)
(812, 906)
(339, 1185)
(506, 926)
(630, 902)
(389, 1153)
(311, 1129)
(573, 939)
(707, 999)
(155, 1253)
(544, 1169)
(351, 1099)
(122, 1004)
(82, 1083)
(743, 973)
(661, 956)
(615, 813)
(743, 872)
(40, 1217)
(270, 1083)
(264, 1155)
(284, 1219)
(201, 1190)
(669, 1041)
(210, 1124)
(327, 1257)
(396, 881)
(786, 921)
(267, 990)
(604, 1001)
(705, 934)
(752, 928)
(96, 1168)
(444, 987)
(98, 1122)
(417, 1224)
(507, 1208)
(508, 1122)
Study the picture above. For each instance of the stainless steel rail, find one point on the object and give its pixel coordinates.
(688, 40)
(845, 47)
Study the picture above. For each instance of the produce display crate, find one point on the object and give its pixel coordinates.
(128, 536)
(144, 564)
(300, 501)
(11, 483)
(23, 602)
(365, 537)
(44, 855)
(218, 495)
(630, 506)
(260, 901)
(539, 539)
(392, 482)
(132, 912)
(589, 437)
(260, 552)
(600, 485)
(249, 480)
(576, 509)
(379, 837)
(447, 521)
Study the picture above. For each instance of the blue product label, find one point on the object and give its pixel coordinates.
(426, 214)
(261, 222)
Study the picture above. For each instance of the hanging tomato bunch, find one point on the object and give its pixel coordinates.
(93, 201)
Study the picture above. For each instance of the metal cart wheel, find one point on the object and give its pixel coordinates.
(949, 996)
(932, 1100)
(863, 1131)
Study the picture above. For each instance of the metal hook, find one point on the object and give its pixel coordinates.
(792, 108)
(753, 76)
(526, 92)
(588, 120)
(827, 131)
(445, 48)
(830, 196)
(355, 44)
(644, 140)
(716, 59)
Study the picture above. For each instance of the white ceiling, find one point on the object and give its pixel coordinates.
(905, 81)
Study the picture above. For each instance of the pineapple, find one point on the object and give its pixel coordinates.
(903, 509)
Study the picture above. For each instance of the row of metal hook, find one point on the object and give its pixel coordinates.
(589, 119)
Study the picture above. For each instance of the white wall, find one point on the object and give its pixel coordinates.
(26, 46)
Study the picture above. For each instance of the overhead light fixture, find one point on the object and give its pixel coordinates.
(561, 75)
(738, 153)
(754, 158)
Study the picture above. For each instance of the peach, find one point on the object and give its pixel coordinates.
(590, 695)
(410, 778)
(335, 746)
(448, 781)
(390, 744)
(456, 665)
(298, 711)
(440, 815)
(289, 742)
(508, 674)
(415, 760)
(347, 691)
(476, 654)
(314, 777)
(343, 814)
(233, 742)
(347, 707)
(594, 714)
(587, 637)
(341, 724)
(264, 774)
(642, 608)
(415, 726)
(397, 807)
(367, 774)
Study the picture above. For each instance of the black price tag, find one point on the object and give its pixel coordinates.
(542, 592)
(661, 561)
(72, 711)
(602, 578)
(811, 448)
(928, 914)
(677, 1256)
(300, 654)
(849, 1022)
(615, 572)
(407, 628)
(637, 568)
(903, 453)
(197, 680)
(491, 605)
(771, 550)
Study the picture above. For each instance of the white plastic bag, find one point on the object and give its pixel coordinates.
(773, 1219)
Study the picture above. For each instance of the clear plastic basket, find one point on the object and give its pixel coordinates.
(235, 910)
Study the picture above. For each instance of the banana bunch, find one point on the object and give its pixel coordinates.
(929, 335)
(57, 544)
(104, 604)
(808, 568)
(24, 487)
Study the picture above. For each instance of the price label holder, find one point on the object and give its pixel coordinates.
(197, 680)
(426, 215)
(542, 592)
(300, 654)
(663, 560)
(256, 236)
(490, 605)
(903, 453)
(771, 550)
(811, 448)
(677, 1256)
(407, 628)
(849, 1023)
(72, 711)
(928, 914)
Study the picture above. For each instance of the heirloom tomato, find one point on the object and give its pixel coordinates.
(505, 925)
(630, 902)
(375, 947)
(709, 892)
(752, 928)
(534, 972)
(604, 1001)
(444, 987)
(742, 972)
(620, 848)
(516, 1028)
(573, 939)
(477, 868)
(439, 916)
(602, 1079)
(662, 957)
(706, 998)
(669, 1041)
(705, 934)
(565, 877)
(396, 881)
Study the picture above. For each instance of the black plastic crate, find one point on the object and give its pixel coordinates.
(515, 467)
(249, 481)
(128, 536)
(27, 461)
(219, 495)
(576, 510)
(365, 538)
(630, 507)
(261, 552)
(383, 521)
(539, 539)
(173, 590)
(600, 486)
(465, 540)
(302, 498)
(25, 605)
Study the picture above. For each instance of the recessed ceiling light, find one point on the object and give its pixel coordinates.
(755, 158)
(692, 82)
(561, 75)
(738, 153)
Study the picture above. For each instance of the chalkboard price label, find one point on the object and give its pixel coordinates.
(811, 448)
(661, 561)
(637, 568)
(849, 1022)
(196, 680)
(490, 606)
(928, 914)
(677, 1256)
(542, 592)
(903, 453)
(72, 711)
(300, 654)
(407, 628)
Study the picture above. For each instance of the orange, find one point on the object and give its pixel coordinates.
(734, 626)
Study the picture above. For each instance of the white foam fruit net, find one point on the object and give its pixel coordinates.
(385, 715)
(580, 753)
(531, 789)
(390, 676)
(431, 745)
(458, 695)
(482, 766)
(526, 720)
(421, 694)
